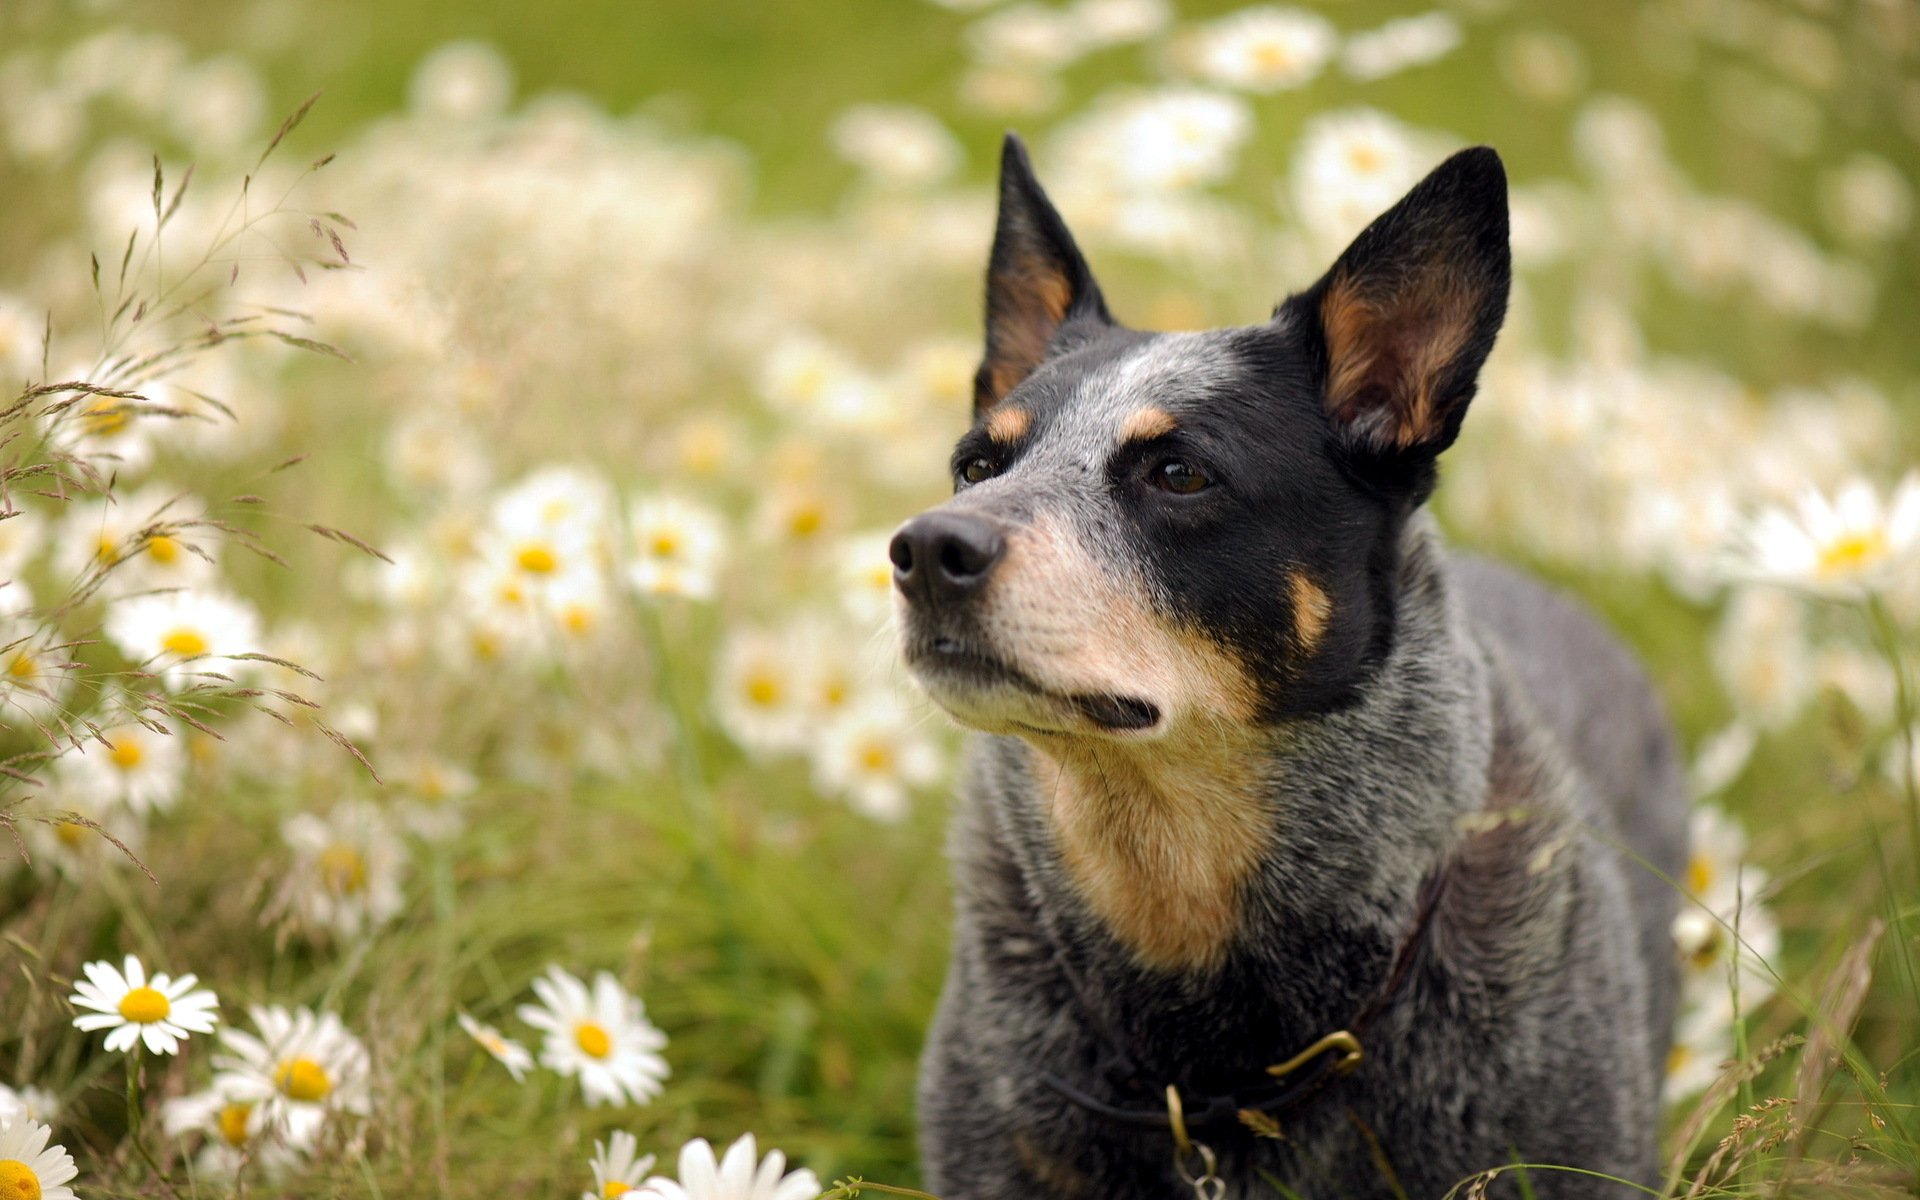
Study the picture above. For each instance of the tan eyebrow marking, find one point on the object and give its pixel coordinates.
(1008, 425)
(1144, 424)
(1312, 610)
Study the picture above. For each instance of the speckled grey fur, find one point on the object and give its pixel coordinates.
(1535, 1026)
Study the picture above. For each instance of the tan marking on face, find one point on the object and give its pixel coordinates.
(1145, 424)
(1159, 845)
(1387, 352)
(1008, 424)
(1312, 610)
(1159, 835)
(1065, 620)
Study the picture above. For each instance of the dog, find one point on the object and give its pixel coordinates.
(1296, 854)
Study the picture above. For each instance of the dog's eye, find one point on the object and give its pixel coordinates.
(1182, 479)
(975, 470)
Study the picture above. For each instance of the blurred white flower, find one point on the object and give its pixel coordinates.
(1720, 759)
(216, 106)
(1351, 166)
(601, 1036)
(234, 1132)
(27, 1103)
(1843, 546)
(1866, 199)
(462, 81)
(129, 764)
(1265, 49)
(517, 1059)
(759, 691)
(1761, 655)
(31, 1169)
(1401, 43)
(874, 756)
(1029, 36)
(35, 676)
(175, 634)
(298, 1070)
(345, 876)
(1155, 141)
(896, 145)
(76, 850)
(740, 1175)
(160, 1012)
(1116, 22)
(617, 1167)
(1702, 1046)
(676, 547)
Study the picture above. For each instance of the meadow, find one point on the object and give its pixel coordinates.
(447, 457)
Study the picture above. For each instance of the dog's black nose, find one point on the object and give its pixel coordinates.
(943, 556)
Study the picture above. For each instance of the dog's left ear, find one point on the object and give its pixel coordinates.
(1408, 314)
(1036, 281)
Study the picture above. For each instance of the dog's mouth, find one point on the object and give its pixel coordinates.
(980, 688)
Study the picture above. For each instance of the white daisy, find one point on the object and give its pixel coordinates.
(896, 145)
(234, 1132)
(741, 1175)
(1266, 49)
(602, 1036)
(617, 1168)
(34, 676)
(160, 1012)
(1400, 43)
(346, 869)
(129, 764)
(75, 849)
(677, 545)
(115, 432)
(866, 578)
(27, 1104)
(758, 691)
(507, 1052)
(175, 634)
(21, 532)
(874, 756)
(1702, 1045)
(29, 1168)
(1350, 166)
(1844, 546)
(300, 1069)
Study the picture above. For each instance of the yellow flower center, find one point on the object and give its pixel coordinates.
(23, 666)
(1852, 552)
(17, 1181)
(764, 690)
(126, 753)
(876, 758)
(1677, 1057)
(537, 559)
(233, 1123)
(71, 833)
(185, 642)
(144, 1006)
(592, 1040)
(615, 1187)
(1274, 56)
(343, 869)
(107, 551)
(1366, 159)
(577, 618)
(1699, 874)
(104, 418)
(806, 520)
(665, 545)
(163, 549)
(1708, 951)
(303, 1079)
(833, 693)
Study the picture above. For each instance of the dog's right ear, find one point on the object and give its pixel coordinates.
(1036, 281)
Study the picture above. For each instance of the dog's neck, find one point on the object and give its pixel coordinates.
(1231, 842)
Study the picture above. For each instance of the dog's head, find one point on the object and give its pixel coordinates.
(1153, 530)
